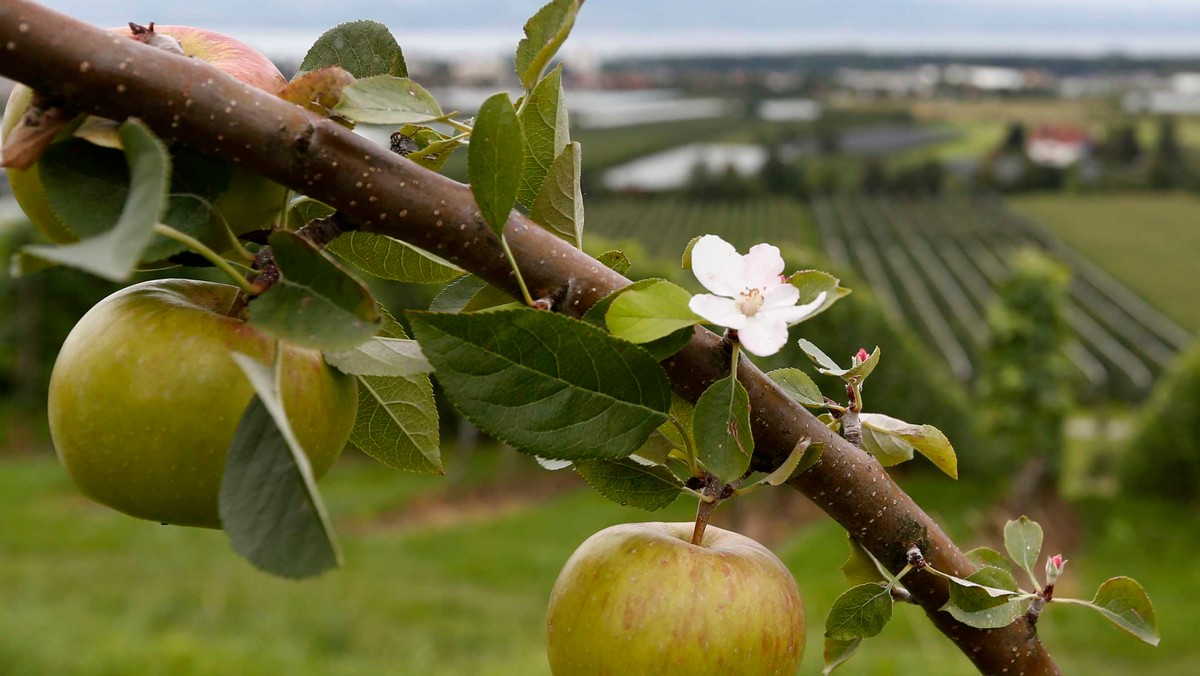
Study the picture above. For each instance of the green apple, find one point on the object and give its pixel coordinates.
(250, 203)
(642, 599)
(145, 399)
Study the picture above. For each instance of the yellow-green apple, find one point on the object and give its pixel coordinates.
(642, 599)
(145, 399)
(251, 202)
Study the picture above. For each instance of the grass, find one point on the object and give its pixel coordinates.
(87, 591)
(1147, 240)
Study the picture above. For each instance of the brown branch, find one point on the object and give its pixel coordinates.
(184, 99)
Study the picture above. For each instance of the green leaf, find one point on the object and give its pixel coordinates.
(975, 607)
(87, 187)
(469, 294)
(615, 260)
(305, 210)
(115, 253)
(495, 159)
(392, 357)
(544, 34)
(397, 419)
(547, 133)
(627, 482)
(798, 386)
(887, 448)
(837, 653)
(651, 312)
(685, 412)
(827, 366)
(364, 48)
(315, 303)
(559, 205)
(269, 505)
(992, 591)
(384, 99)
(656, 450)
(1023, 540)
(982, 595)
(455, 296)
(985, 556)
(432, 148)
(861, 611)
(724, 442)
(318, 90)
(1123, 601)
(661, 348)
(686, 260)
(813, 283)
(386, 258)
(860, 568)
(804, 451)
(397, 423)
(892, 439)
(829, 421)
(546, 384)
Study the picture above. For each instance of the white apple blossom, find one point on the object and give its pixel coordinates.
(749, 293)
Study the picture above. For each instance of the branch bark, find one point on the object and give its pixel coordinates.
(94, 71)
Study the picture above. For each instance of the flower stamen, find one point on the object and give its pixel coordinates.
(750, 301)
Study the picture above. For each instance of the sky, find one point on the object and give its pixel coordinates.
(619, 27)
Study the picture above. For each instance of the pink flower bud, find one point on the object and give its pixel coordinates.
(1054, 568)
(862, 355)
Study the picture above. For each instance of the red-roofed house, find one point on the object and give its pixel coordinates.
(1058, 145)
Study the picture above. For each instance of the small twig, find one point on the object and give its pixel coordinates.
(901, 595)
(212, 256)
(851, 425)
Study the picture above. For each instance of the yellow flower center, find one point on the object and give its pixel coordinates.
(749, 302)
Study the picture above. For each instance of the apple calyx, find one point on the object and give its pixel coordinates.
(146, 35)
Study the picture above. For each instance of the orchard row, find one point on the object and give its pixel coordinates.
(935, 265)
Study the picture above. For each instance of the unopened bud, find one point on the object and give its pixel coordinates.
(1054, 568)
(861, 356)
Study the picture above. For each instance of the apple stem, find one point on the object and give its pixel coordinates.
(713, 492)
(212, 256)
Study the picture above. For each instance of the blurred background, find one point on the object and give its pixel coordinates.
(1011, 188)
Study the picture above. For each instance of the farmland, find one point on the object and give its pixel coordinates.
(936, 264)
(1149, 242)
(664, 225)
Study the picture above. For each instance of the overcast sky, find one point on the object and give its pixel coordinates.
(648, 26)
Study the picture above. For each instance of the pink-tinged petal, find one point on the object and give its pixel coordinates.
(792, 315)
(780, 296)
(718, 310)
(763, 265)
(862, 355)
(718, 266)
(763, 335)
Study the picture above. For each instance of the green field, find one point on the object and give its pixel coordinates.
(664, 225)
(1148, 241)
(463, 591)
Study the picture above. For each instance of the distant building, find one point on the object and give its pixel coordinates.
(985, 78)
(1058, 145)
(1177, 95)
(908, 82)
(789, 110)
